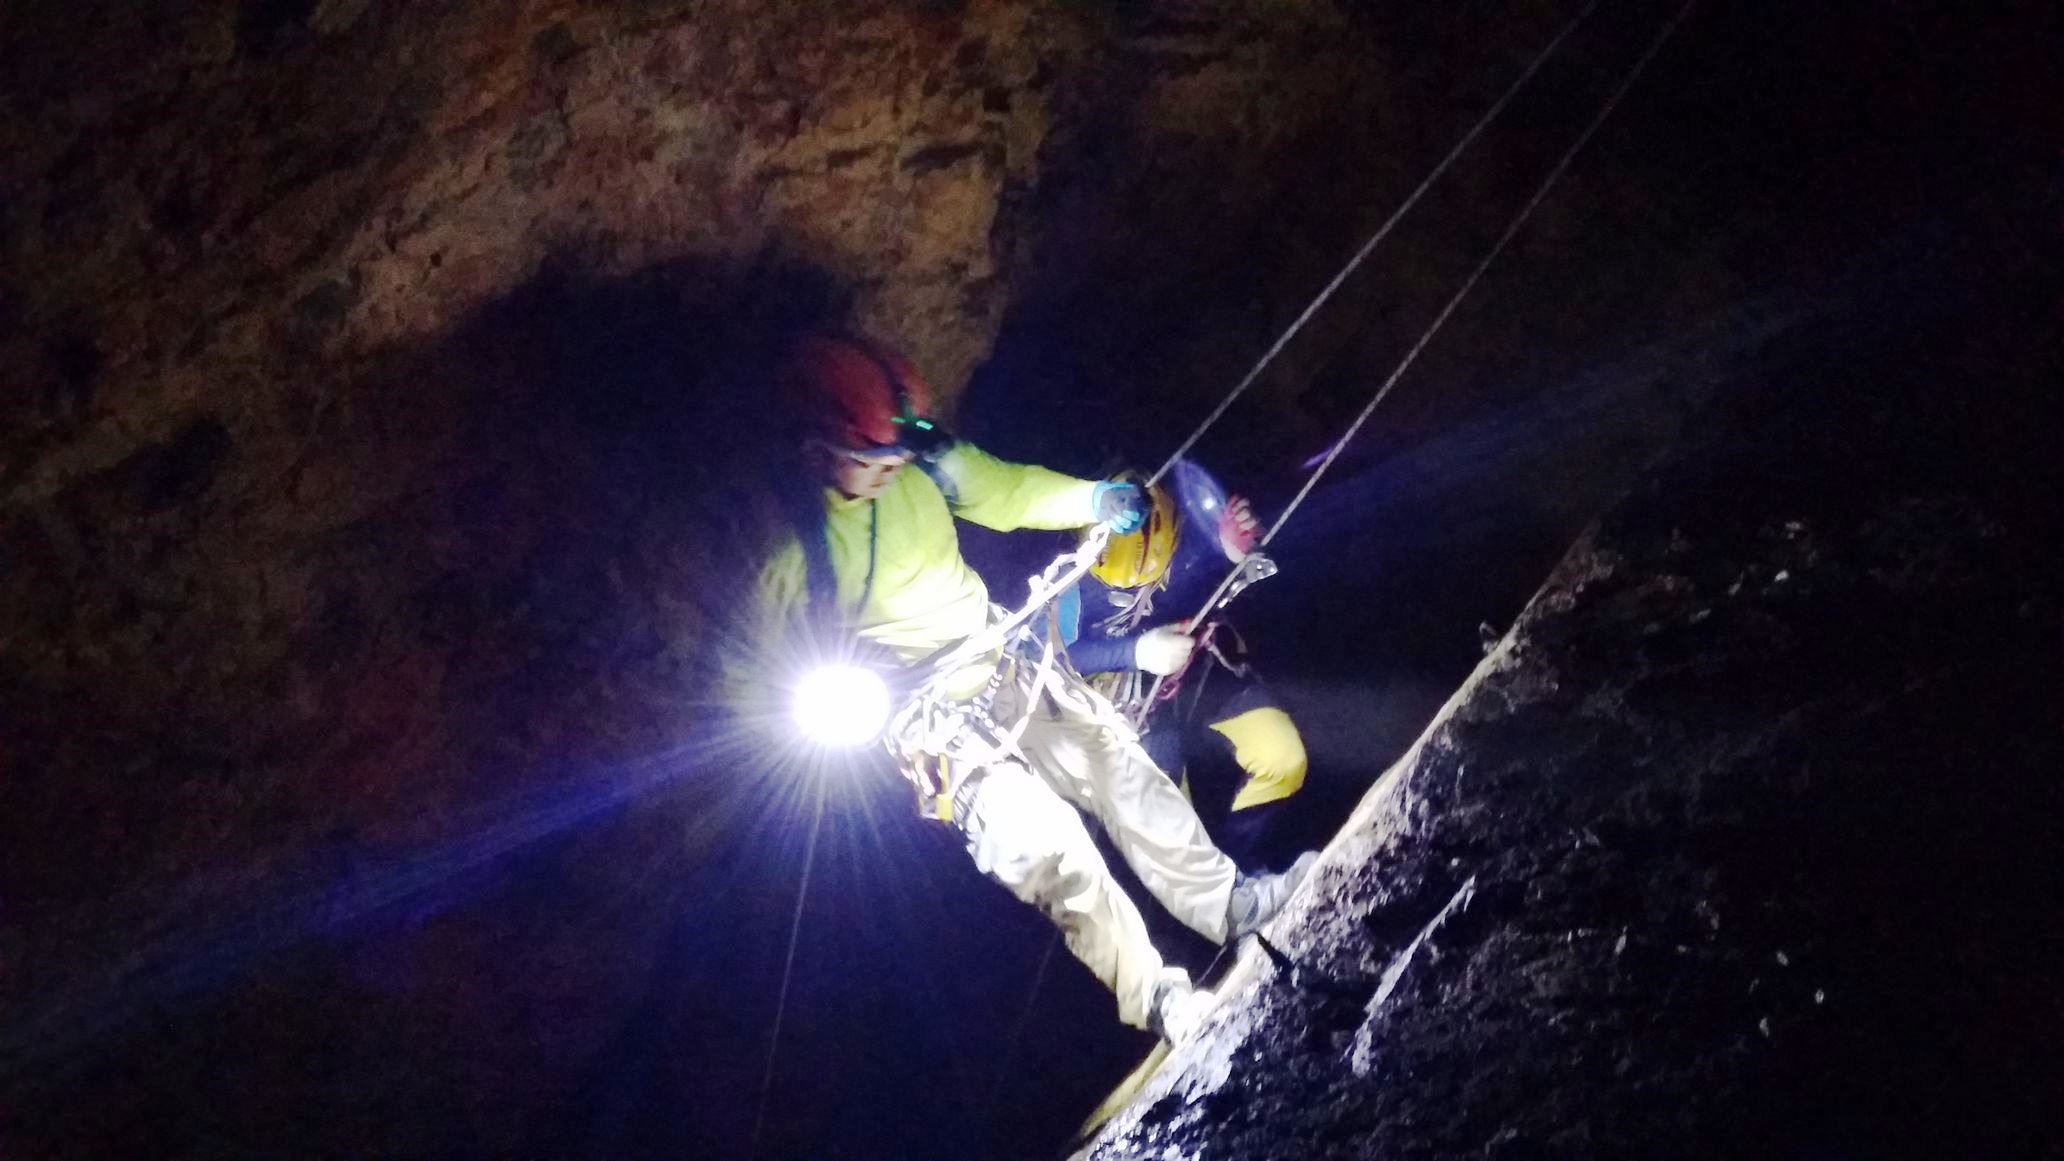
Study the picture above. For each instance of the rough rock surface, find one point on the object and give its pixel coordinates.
(1742, 842)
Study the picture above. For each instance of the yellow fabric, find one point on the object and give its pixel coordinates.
(924, 596)
(1268, 747)
(1141, 557)
(1006, 496)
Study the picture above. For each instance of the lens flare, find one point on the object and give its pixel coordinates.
(841, 706)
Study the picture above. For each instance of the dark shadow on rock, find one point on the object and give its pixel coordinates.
(441, 795)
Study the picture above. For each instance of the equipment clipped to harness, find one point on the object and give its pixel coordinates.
(935, 735)
(942, 742)
(1254, 568)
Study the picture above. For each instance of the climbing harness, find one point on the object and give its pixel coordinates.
(938, 738)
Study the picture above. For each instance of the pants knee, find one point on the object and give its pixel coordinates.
(1030, 840)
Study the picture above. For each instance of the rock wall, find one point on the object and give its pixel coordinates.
(1741, 842)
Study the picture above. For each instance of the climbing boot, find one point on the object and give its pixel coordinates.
(1179, 1007)
(1256, 898)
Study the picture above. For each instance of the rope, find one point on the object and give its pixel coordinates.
(1057, 578)
(795, 930)
(1010, 1048)
(1354, 263)
(1069, 568)
(1511, 231)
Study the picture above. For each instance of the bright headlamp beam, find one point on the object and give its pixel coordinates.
(840, 706)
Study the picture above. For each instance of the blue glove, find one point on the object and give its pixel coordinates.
(1120, 505)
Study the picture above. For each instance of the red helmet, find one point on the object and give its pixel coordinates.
(856, 394)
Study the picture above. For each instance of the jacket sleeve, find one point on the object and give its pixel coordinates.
(1006, 496)
(1090, 649)
(1096, 653)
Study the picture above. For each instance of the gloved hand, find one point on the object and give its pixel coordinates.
(1238, 529)
(1120, 504)
(1163, 649)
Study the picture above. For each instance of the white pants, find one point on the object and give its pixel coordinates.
(1022, 828)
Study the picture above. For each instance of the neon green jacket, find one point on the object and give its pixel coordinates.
(922, 596)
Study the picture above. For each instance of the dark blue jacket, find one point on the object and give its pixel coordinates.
(1197, 569)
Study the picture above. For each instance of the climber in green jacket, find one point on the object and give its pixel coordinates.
(875, 563)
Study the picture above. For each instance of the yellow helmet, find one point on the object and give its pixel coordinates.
(1141, 557)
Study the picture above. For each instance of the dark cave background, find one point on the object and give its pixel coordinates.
(383, 440)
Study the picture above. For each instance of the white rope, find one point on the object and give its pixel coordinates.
(1354, 263)
(1066, 570)
(795, 931)
(1511, 231)
(1057, 578)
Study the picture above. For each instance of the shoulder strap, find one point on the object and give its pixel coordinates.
(805, 511)
(939, 476)
(806, 514)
